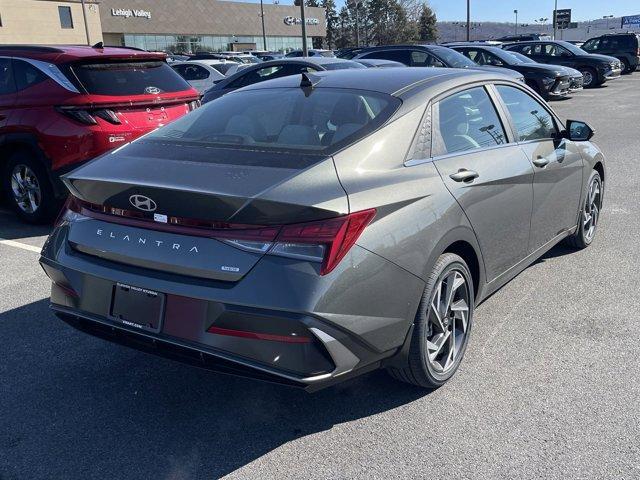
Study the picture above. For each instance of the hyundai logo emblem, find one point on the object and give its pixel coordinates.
(152, 90)
(143, 203)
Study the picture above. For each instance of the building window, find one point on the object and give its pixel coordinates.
(66, 21)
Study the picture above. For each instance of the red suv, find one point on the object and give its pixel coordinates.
(61, 106)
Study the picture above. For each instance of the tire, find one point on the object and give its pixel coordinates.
(419, 369)
(625, 66)
(588, 217)
(590, 73)
(37, 181)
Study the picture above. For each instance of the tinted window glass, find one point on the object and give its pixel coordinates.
(192, 72)
(401, 56)
(267, 73)
(7, 84)
(223, 68)
(129, 78)
(532, 121)
(66, 21)
(591, 45)
(467, 120)
(424, 59)
(342, 65)
(26, 75)
(286, 118)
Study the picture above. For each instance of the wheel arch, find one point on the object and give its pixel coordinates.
(462, 241)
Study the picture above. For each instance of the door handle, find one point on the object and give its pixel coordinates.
(464, 175)
(541, 162)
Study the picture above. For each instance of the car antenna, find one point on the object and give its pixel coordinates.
(308, 80)
(99, 45)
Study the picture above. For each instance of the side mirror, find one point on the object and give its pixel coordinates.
(578, 131)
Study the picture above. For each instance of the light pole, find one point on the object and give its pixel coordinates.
(86, 26)
(516, 12)
(468, 20)
(264, 34)
(607, 17)
(555, 20)
(305, 49)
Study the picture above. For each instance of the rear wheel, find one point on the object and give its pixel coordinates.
(28, 189)
(590, 77)
(589, 215)
(442, 325)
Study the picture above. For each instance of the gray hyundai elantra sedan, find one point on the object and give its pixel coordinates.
(312, 228)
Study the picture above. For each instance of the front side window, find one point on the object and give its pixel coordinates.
(552, 50)
(465, 121)
(284, 118)
(268, 73)
(591, 45)
(531, 120)
(424, 59)
(66, 20)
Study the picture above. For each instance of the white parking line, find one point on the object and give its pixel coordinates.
(23, 246)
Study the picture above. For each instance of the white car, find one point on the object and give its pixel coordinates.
(202, 74)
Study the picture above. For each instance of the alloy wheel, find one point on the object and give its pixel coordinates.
(591, 212)
(587, 78)
(448, 322)
(26, 189)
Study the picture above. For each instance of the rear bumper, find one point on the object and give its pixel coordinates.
(349, 320)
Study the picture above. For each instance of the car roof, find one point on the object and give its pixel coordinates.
(310, 60)
(70, 53)
(401, 81)
(213, 61)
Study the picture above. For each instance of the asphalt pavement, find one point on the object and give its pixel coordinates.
(549, 387)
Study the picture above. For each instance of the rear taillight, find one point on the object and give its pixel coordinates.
(88, 116)
(324, 241)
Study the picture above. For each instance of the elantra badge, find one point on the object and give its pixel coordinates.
(143, 203)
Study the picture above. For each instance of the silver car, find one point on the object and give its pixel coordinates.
(314, 227)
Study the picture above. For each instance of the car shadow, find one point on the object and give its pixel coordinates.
(86, 408)
(12, 228)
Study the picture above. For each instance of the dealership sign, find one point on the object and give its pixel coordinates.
(128, 13)
(298, 21)
(631, 20)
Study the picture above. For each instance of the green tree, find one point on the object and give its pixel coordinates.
(427, 27)
(388, 24)
(332, 20)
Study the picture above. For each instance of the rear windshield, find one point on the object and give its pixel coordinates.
(342, 65)
(223, 68)
(128, 78)
(284, 118)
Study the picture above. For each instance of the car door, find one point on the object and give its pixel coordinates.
(557, 163)
(490, 177)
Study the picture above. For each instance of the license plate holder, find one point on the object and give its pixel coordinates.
(137, 307)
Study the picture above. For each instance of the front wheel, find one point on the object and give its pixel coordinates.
(589, 214)
(590, 77)
(442, 325)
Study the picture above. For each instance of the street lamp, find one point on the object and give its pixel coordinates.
(607, 17)
(264, 34)
(516, 12)
(468, 20)
(555, 20)
(303, 21)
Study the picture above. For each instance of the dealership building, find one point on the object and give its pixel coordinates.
(169, 25)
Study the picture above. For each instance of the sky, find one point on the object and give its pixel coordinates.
(528, 10)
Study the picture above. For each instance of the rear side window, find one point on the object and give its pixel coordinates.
(531, 120)
(465, 121)
(26, 75)
(420, 58)
(128, 78)
(7, 85)
(285, 118)
(192, 72)
(401, 56)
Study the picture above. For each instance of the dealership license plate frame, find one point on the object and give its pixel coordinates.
(137, 307)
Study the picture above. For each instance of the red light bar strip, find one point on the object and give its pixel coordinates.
(258, 336)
